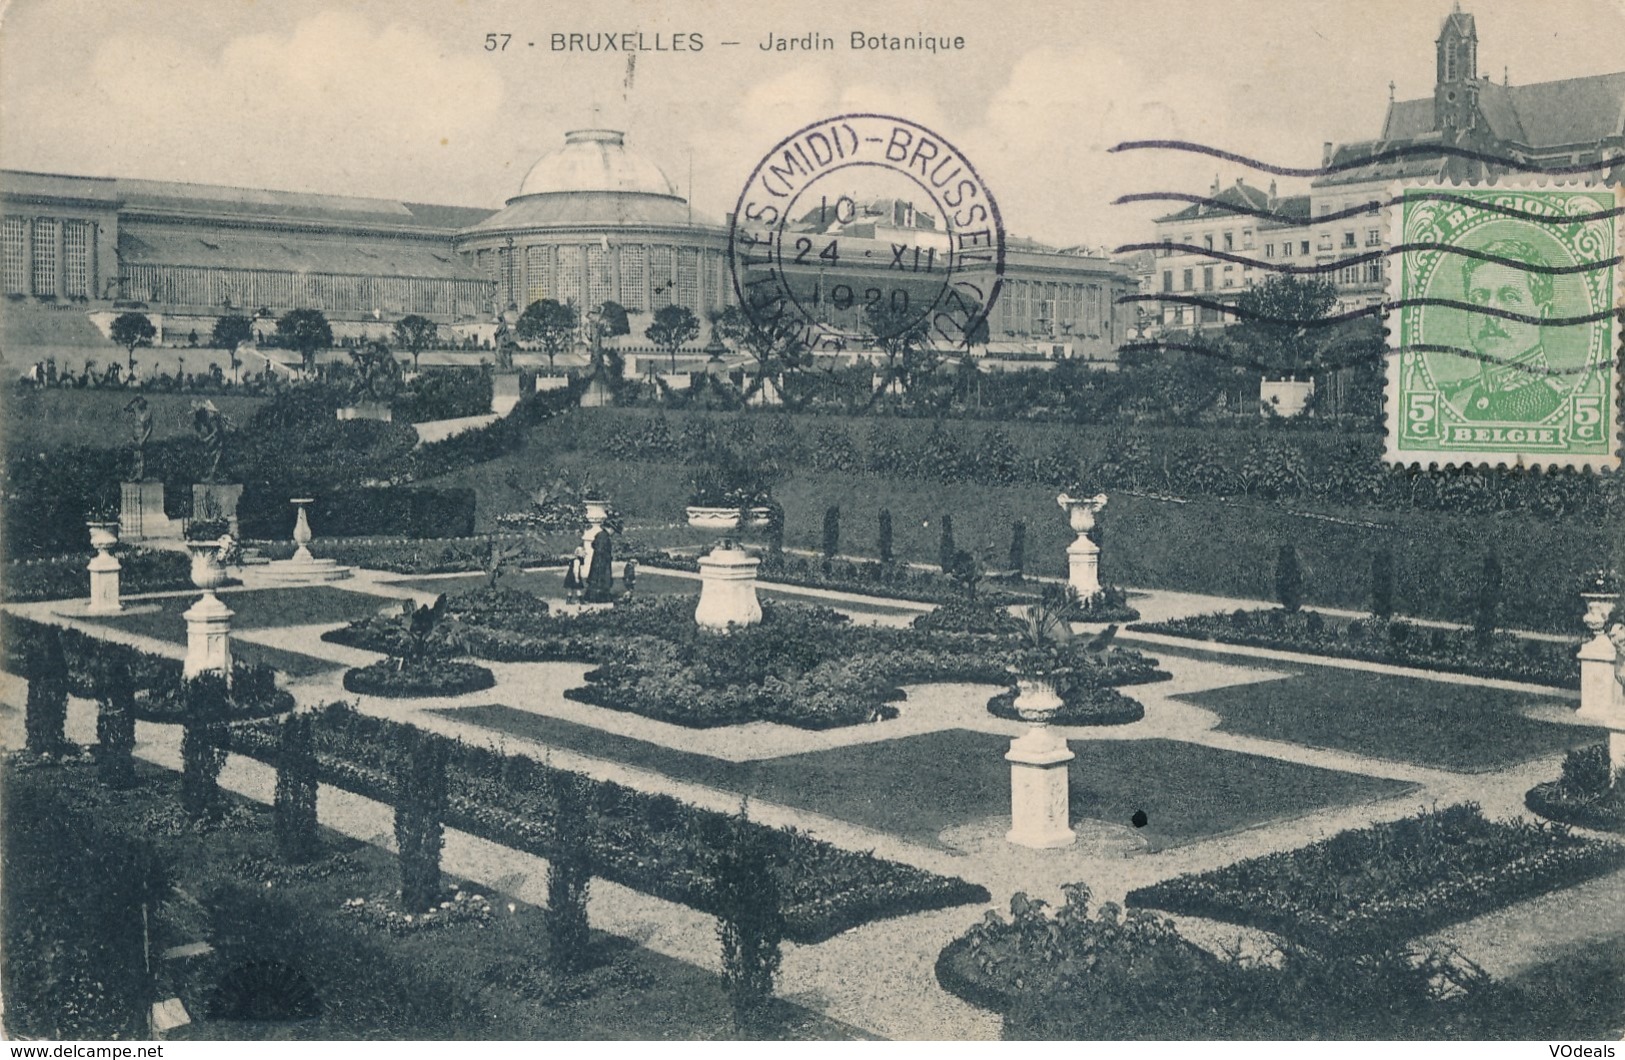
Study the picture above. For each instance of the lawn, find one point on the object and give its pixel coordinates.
(58, 419)
(918, 787)
(458, 981)
(254, 609)
(1427, 723)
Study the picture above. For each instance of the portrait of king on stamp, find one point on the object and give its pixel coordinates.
(1505, 349)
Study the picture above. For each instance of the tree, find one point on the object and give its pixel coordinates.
(413, 333)
(230, 332)
(750, 922)
(569, 874)
(115, 725)
(885, 542)
(550, 323)
(672, 326)
(945, 545)
(1278, 323)
(203, 742)
(609, 321)
(1487, 599)
(307, 331)
(1288, 578)
(1382, 584)
(420, 803)
(832, 531)
(294, 804)
(775, 340)
(45, 714)
(131, 330)
(1018, 546)
(903, 337)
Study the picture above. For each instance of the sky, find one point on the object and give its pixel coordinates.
(400, 99)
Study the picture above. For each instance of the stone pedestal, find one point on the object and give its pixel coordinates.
(1599, 688)
(1040, 809)
(1083, 555)
(217, 500)
(208, 637)
(141, 513)
(104, 573)
(728, 588)
(303, 568)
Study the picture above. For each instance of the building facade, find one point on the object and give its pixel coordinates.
(1238, 220)
(1571, 121)
(591, 222)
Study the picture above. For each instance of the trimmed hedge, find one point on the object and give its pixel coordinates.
(357, 511)
(445, 394)
(66, 577)
(436, 677)
(1382, 885)
(651, 843)
(1399, 643)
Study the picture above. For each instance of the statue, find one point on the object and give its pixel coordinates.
(210, 426)
(140, 435)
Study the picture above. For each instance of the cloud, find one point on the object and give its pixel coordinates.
(327, 104)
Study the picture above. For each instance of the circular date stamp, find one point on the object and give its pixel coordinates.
(867, 226)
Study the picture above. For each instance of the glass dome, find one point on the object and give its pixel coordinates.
(596, 160)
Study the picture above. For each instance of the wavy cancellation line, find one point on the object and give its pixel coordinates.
(1366, 208)
(1333, 363)
(1406, 151)
(1374, 255)
(1377, 310)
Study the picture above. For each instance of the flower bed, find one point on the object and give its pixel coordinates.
(1392, 641)
(802, 665)
(1584, 794)
(443, 555)
(155, 679)
(436, 677)
(1390, 882)
(651, 843)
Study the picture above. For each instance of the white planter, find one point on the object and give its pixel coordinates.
(703, 518)
(208, 573)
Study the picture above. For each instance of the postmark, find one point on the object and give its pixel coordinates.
(862, 222)
(1505, 331)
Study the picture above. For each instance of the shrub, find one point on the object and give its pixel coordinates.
(569, 874)
(420, 806)
(1382, 584)
(750, 922)
(115, 728)
(1487, 598)
(46, 711)
(775, 529)
(204, 744)
(294, 805)
(1288, 578)
(1587, 770)
(1018, 546)
(946, 549)
(832, 531)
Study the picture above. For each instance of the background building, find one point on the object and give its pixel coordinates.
(592, 222)
(1242, 220)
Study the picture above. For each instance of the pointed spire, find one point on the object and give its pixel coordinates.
(1391, 87)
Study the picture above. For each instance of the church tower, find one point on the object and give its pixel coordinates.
(1455, 89)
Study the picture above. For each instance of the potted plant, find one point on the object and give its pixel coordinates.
(730, 493)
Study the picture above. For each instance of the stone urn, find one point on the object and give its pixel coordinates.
(597, 513)
(702, 517)
(103, 536)
(104, 570)
(1598, 607)
(208, 573)
(1036, 700)
(1083, 555)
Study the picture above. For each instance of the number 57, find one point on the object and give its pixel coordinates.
(497, 42)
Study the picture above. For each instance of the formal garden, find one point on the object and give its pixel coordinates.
(636, 721)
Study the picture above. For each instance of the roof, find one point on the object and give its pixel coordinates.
(596, 160)
(1405, 167)
(1238, 194)
(167, 196)
(256, 250)
(1288, 211)
(1579, 110)
(1408, 118)
(593, 210)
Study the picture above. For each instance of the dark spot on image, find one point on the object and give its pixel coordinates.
(1139, 819)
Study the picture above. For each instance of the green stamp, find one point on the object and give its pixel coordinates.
(1507, 354)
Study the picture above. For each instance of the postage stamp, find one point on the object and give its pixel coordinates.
(1504, 326)
(827, 234)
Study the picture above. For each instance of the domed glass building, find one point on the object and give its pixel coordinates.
(596, 222)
